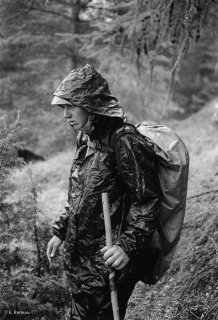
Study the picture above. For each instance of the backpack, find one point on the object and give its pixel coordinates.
(172, 160)
(173, 164)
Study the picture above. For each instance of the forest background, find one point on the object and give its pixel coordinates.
(160, 59)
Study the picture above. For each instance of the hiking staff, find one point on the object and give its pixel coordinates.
(112, 283)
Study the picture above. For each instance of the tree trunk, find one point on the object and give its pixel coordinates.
(36, 236)
(39, 259)
(76, 7)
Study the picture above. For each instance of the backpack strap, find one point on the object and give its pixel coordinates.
(117, 134)
(99, 147)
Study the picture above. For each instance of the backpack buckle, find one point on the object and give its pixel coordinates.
(98, 146)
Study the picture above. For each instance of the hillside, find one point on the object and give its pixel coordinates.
(200, 135)
(190, 290)
(51, 178)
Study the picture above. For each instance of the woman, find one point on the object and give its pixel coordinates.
(109, 158)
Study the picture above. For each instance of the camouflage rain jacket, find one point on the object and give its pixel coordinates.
(129, 177)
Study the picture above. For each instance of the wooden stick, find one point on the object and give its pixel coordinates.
(112, 283)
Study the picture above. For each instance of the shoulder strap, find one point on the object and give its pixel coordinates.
(99, 147)
(117, 134)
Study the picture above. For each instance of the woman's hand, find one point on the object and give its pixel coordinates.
(52, 247)
(115, 257)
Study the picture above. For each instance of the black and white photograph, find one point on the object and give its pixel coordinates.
(108, 160)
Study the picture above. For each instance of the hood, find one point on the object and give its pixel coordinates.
(86, 88)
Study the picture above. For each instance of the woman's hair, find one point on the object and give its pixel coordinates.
(102, 124)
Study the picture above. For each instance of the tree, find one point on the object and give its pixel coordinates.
(153, 35)
(34, 57)
(48, 38)
(197, 79)
(28, 286)
(29, 32)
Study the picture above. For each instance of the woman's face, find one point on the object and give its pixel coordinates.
(76, 116)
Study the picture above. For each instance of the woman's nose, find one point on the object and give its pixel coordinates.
(66, 113)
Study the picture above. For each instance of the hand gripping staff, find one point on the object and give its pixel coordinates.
(107, 223)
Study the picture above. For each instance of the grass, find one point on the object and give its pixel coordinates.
(51, 180)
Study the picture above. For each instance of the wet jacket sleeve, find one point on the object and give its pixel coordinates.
(140, 179)
(60, 225)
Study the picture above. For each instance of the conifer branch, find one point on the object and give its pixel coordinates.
(32, 8)
(18, 15)
(202, 194)
(87, 6)
(35, 228)
(132, 32)
(188, 16)
(169, 94)
(181, 53)
(206, 11)
(120, 59)
(214, 243)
